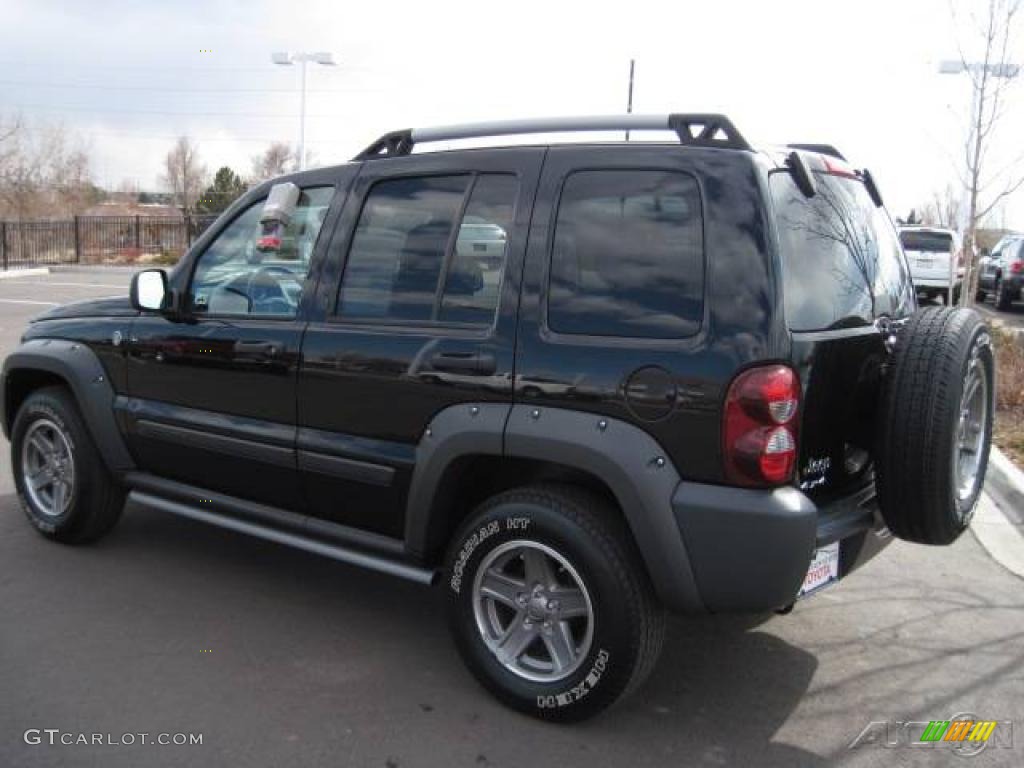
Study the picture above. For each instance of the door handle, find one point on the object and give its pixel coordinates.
(466, 363)
(261, 350)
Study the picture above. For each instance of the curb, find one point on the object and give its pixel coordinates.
(113, 269)
(27, 272)
(998, 524)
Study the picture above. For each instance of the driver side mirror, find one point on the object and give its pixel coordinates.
(149, 290)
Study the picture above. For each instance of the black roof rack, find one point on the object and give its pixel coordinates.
(821, 149)
(695, 130)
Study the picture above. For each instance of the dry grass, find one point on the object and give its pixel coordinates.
(1009, 423)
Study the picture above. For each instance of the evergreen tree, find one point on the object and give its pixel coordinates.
(227, 186)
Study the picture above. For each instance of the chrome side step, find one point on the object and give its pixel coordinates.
(297, 541)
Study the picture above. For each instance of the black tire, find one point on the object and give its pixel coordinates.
(918, 431)
(628, 623)
(979, 296)
(96, 500)
(1004, 299)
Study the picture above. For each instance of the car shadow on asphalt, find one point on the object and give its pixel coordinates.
(721, 690)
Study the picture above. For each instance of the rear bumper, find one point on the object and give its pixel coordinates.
(935, 282)
(750, 549)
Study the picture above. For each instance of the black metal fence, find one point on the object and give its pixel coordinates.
(98, 240)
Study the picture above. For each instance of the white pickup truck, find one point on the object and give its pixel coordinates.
(936, 261)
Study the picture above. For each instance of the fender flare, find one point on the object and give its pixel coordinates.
(79, 366)
(630, 461)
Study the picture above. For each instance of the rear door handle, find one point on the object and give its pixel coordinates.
(260, 350)
(466, 363)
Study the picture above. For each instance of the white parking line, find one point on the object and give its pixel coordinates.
(26, 301)
(16, 282)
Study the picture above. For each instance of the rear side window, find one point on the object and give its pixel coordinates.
(628, 256)
(430, 249)
(932, 242)
(841, 260)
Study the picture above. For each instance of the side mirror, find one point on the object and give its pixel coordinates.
(149, 290)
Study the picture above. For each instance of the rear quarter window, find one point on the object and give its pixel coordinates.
(932, 242)
(628, 255)
(841, 261)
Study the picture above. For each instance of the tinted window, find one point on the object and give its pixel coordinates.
(403, 250)
(473, 278)
(234, 277)
(841, 260)
(935, 242)
(628, 255)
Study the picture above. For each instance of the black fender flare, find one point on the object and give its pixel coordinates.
(79, 366)
(626, 458)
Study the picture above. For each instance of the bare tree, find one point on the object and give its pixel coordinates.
(943, 210)
(185, 175)
(987, 183)
(44, 171)
(276, 160)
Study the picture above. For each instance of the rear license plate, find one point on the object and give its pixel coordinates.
(824, 569)
(925, 263)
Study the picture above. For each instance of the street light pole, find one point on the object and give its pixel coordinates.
(957, 67)
(287, 59)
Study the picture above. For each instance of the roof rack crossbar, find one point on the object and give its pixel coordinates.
(698, 129)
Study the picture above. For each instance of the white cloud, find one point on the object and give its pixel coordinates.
(861, 75)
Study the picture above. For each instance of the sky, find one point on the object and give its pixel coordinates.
(129, 77)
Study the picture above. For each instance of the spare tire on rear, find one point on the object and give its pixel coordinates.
(935, 425)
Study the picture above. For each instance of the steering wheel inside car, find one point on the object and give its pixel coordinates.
(265, 291)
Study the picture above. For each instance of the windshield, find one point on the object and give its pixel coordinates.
(842, 265)
(934, 242)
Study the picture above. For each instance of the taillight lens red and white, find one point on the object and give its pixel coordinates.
(759, 430)
(1017, 267)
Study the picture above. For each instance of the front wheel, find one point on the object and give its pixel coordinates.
(549, 602)
(64, 488)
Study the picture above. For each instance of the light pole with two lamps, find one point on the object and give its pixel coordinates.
(287, 58)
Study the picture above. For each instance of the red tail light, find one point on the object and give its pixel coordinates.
(1017, 267)
(759, 427)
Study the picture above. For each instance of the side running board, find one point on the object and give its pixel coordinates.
(297, 541)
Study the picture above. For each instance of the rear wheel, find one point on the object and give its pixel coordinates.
(550, 604)
(936, 425)
(65, 490)
(1004, 298)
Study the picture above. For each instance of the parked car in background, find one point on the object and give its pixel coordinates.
(1002, 274)
(936, 261)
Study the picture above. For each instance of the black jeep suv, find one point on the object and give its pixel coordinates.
(574, 384)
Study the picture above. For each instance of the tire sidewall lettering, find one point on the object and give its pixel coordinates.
(581, 689)
(476, 538)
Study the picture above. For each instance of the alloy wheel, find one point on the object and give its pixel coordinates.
(533, 611)
(48, 467)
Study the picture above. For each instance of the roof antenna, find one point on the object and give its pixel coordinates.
(629, 100)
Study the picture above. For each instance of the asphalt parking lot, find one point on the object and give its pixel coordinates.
(281, 658)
